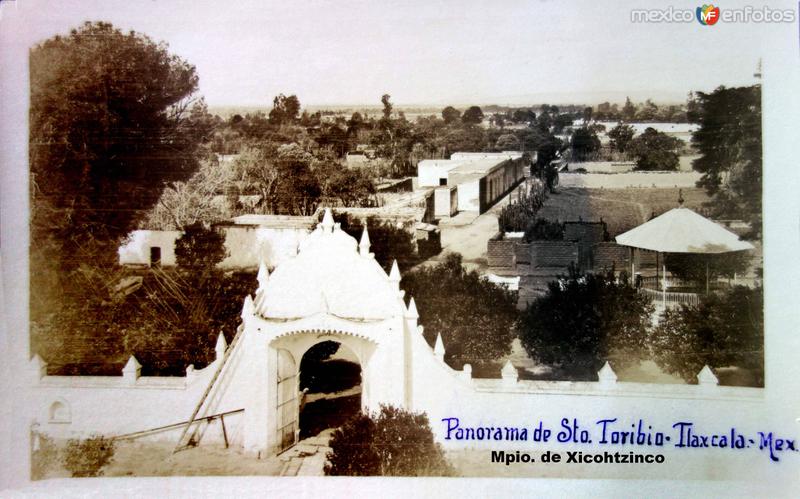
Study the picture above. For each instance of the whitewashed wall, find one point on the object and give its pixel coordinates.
(248, 245)
(136, 250)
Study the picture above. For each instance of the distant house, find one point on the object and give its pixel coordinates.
(471, 181)
(249, 239)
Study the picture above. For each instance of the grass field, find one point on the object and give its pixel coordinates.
(621, 209)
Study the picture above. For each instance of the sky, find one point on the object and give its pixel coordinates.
(431, 52)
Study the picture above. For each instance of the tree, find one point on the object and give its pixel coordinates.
(655, 150)
(113, 119)
(472, 116)
(621, 135)
(110, 122)
(284, 109)
(507, 142)
(585, 320)
(474, 317)
(729, 141)
(199, 248)
(724, 330)
(393, 442)
(451, 115)
(584, 143)
(628, 110)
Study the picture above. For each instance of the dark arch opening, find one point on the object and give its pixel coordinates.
(330, 384)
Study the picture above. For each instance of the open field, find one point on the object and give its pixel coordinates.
(621, 209)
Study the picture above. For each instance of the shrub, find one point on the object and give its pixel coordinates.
(393, 442)
(584, 320)
(516, 216)
(544, 230)
(199, 248)
(724, 330)
(86, 458)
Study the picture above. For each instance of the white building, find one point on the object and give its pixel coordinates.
(480, 179)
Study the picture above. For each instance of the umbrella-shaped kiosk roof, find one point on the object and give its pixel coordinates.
(681, 230)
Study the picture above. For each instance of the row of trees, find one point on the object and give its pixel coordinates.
(586, 319)
(652, 150)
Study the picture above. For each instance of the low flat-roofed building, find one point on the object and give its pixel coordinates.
(481, 178)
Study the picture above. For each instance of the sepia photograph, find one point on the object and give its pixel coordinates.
(525, 242)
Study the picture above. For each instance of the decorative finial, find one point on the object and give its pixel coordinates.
(249, 307)
(706, 377)
(394, 275)
(438, 347)
(363, 246)
(509, 373)
(221, 346)
(263, 275)
(680, 197)
(411, 312)
(327, 221)
(606, 374)
(132, 370)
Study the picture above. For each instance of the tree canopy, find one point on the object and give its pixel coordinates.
(621, 135)
(729, 141)
(585, 320)
(655, 150)
(475, 317)
(472, 116)
(112, 119)
(584, 144)
(724, 330)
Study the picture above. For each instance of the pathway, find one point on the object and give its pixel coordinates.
(308, 456)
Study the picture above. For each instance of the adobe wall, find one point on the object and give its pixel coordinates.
(553, 253)
(609, 254)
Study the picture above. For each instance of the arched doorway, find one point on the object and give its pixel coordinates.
(330, 387)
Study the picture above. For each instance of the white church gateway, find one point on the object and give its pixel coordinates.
(334, 290)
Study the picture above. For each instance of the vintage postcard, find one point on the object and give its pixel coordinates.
(496, 247)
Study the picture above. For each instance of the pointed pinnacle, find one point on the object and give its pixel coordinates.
(411, 312)
(394, 275)
(263, 275)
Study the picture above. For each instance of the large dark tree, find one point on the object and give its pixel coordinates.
(284, 109)
(729, 141)
(584, 143)
(655, 150)
(109, 125)
(585, 320)
(112, 120)
(451, 115)
(621, 135)
(472, 116)
(724, 330)
(475, 317)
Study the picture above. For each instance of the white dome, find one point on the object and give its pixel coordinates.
(328, 275)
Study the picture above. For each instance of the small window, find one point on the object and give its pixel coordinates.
(443, 181)
(59, 412)
(155, 256)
